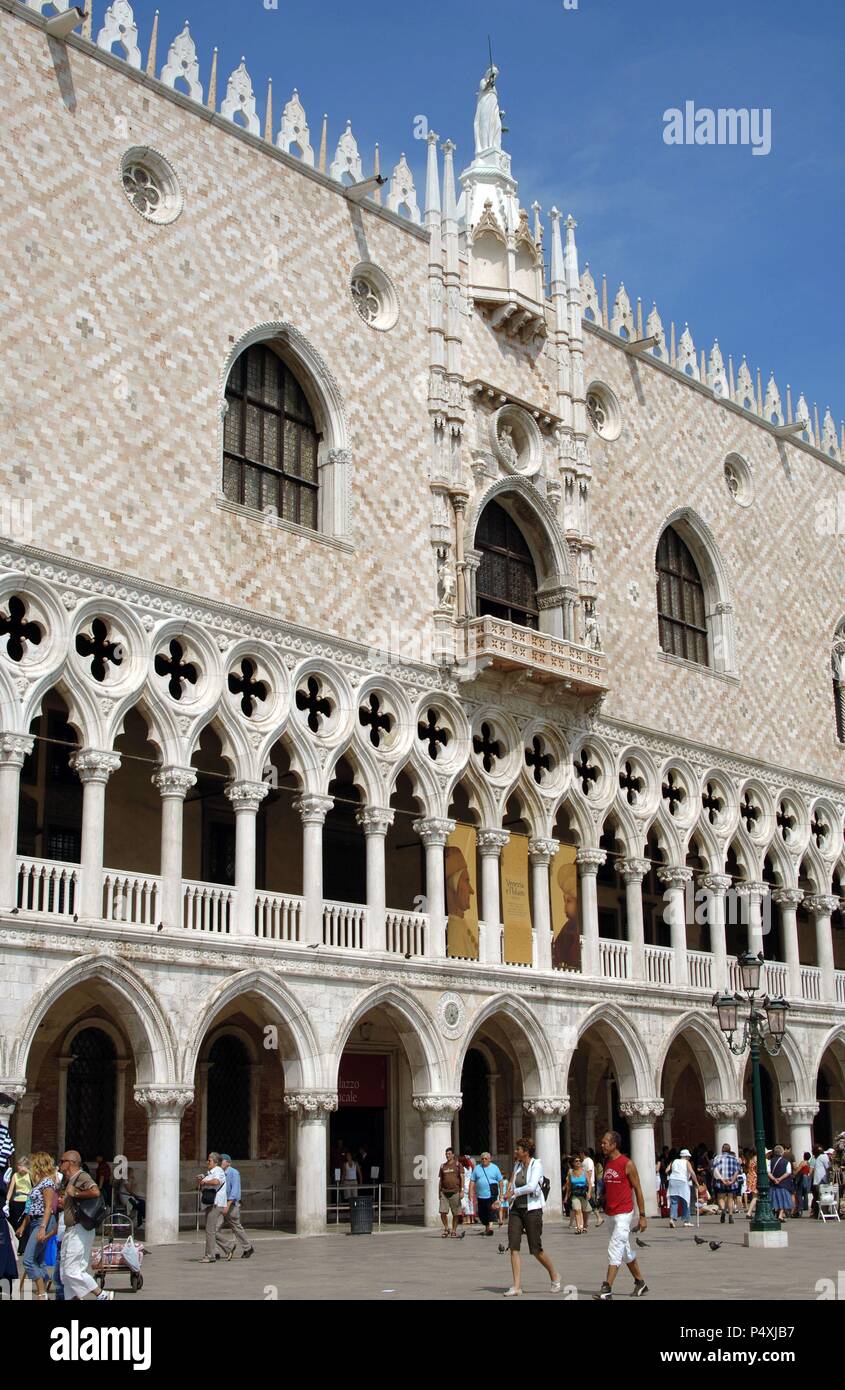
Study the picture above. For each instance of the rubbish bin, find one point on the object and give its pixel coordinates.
(361, 1216)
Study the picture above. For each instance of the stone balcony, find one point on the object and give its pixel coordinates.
(508, 647)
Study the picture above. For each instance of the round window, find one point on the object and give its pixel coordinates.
(738, 479)
(374, 296)
(603, 411)
(151, 185)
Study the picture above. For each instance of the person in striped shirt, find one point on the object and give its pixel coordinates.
(7, 1143)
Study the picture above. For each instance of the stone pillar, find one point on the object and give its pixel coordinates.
(717, 886)
(173, 783)
(800, 1118)
(246, 797)
(13, 749)
(120, 1068)
(727, 1115)
(376, 821)
(676, 878)
(754, 892)
(633, 872)
(434, 833)
(255, 1069)
(312, 1110)
(589, 861)
(203, 1068)
(313, 809)
(821, 906)
(541, 853)
(547, 1114)
(567, 1132)
(788, 900)
(490, 846)
(94, 768)
(591, 1114)
(492, 1078)
(668, 1112)
(61, 1104)
(25, 1109)
(438, 1113)
(165, 1106)
(641, 1116)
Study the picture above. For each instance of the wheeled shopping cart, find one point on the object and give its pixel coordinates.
(110, 1256)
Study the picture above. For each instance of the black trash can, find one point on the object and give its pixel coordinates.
(361, 1216)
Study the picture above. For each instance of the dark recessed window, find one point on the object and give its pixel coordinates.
(506, 585)
(680, 601)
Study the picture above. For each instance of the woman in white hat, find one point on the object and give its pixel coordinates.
(681, 1177)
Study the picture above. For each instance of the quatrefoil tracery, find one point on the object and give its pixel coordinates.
(19, 629)
(102, 651)
(178, 671)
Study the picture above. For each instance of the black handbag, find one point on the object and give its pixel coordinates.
(207, 1196)
(90, 1211)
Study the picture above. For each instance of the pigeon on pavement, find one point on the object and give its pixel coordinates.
(715, 1245)
(699, 1240)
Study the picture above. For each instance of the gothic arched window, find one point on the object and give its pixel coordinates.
(269, 439)
(680, 601)
(506, 585)
(229, 1099)
(91, 1095)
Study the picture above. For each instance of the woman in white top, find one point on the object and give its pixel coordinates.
(680, 1177)
(351, 1176)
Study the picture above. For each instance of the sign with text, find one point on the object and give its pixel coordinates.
(362, 1082)
(516, 908)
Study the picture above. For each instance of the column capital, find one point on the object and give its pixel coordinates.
(727, 1111)
(491, 842)
(799, 1112)
(246, 796)
(787, 897)
(14, 748)
(12, 1093)
(434, 830)
(164, 1102)
(174, 781)
(542, 851)
(717, 884)
(437, 1109)
(94, 765)
(313, 808)
(633, 870)
(375, 820)
(675, 875)
(311, 1105)
(589, 861)
(644, 1110)
(753, 888)
(546, 1107)
(821, 904)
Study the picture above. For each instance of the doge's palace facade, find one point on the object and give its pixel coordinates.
(420, 676)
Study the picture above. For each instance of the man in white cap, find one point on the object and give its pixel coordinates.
(681, 1181)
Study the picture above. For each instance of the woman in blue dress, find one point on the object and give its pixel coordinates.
(781, 1184)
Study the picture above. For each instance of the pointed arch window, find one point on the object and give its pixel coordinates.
(270, 439)
(680, 601)
(506, 586)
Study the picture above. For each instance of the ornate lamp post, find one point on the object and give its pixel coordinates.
(764, 1027)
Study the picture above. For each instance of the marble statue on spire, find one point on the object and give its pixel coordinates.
(488, 117)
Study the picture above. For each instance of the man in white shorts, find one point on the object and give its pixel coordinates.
(621, 1186)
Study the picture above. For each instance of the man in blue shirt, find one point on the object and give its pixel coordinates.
(232, 1215)
(487, 1181)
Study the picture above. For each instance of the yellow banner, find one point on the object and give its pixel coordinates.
(516, 911)
(566, 925)
(461, 894)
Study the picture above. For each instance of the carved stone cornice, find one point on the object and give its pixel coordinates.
(174, 781)
(434, 831)
(717, 884)
(675, 876)
(542, 851)
(552, 1108)
(492, 842)
(820, 904)
(633, 870)
(787, 897)
(375, 820)
(14, 748)
(589, 861)
(642, 1110)
(313, 808)
(94, 765)
(727, 1111)
(164, 1102)
(311, 1105)
(246, 796)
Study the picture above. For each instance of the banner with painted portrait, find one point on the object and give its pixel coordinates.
(516, 902)
(566, 919)
(461, 894)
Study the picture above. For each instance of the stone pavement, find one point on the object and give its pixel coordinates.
(406, 1263)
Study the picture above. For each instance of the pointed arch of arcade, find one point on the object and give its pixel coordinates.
(533, 1051)
(142, 1017)
(718, 1075)
(833, 1042)
(416, 1031)
(789, 1069)
(301, 1071)
(626, 1047)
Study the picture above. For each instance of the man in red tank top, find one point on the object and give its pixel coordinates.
(621, 1186)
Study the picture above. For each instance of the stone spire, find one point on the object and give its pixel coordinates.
(432, 183)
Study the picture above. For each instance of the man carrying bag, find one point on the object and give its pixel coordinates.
(83, 1208)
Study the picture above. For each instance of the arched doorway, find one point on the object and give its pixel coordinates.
(229, 1076)
(90, 1100)
(506, 584)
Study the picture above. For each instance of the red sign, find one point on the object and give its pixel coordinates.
(363, 1080)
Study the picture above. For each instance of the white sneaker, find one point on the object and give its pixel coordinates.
(513, 1293)
(555, 1286)
(105, 1297)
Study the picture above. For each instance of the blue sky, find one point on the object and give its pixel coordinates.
(745, 248)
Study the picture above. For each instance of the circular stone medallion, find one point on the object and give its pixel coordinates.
(451, 1015)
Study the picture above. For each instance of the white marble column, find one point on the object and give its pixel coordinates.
(246, 797)
(633, 871)
(726, 1116)
(312, 1110)
(165, 1106)
(547, 1113)
(541, 853)
(434, 833)
(94, 768)
(788, 900)
(15, 1093)
(313, 809)
(490, 845)
(820, 907)
(173, 783)
(800, 1118)
(438, 1114)
(754, 892)
(13, 749)
(376, 821)
(589, 861)
(641, 1116)
(676, 877)
(717, 885)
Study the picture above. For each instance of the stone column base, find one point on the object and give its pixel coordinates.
(766, 1240)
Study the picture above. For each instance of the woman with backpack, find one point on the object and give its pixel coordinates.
(527, 1194)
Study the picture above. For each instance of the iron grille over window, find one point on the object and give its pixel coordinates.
(270, 439)
(229, 1097)
(91, 1095)
(680, 601)
(507, 580)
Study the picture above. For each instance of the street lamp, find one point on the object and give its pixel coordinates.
(764, 1027)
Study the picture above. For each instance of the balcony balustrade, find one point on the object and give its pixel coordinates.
(508, 647)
